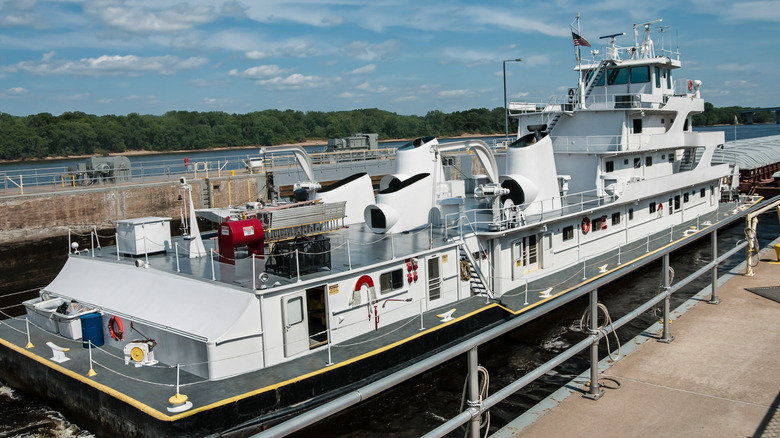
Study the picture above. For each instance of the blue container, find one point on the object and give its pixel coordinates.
(92, 329)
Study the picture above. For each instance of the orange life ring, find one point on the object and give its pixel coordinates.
(116, 328)
(585, 225)
(690, 85)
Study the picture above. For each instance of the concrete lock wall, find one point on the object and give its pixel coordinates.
(43, 215)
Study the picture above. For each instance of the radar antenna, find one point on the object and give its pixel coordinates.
(612, 50)
(662, 30)
(647, 43)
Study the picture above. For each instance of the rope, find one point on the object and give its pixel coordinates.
(752, 250)
(21, 292)
(585, 326)
(484, 421)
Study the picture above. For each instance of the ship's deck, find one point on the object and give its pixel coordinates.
(148, 388)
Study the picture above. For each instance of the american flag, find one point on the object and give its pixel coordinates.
(579, 41)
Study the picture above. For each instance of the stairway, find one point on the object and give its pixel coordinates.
(476, 283)
(205, 193)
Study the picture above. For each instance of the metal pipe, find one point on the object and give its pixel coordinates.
(666, 337)
(474, 399)
(714, 250)
(594, 393)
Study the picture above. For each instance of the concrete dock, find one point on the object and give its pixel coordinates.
(720, 377)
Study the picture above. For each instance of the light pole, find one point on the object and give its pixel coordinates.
(506, 110)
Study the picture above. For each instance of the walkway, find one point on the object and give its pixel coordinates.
(719, 377)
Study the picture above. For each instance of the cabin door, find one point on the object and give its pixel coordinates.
(525, 256)
(295, 323)
(434, 279)
(547, 248)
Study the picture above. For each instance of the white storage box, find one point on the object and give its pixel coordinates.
(70, 325)
(41, 313)
(144, 235)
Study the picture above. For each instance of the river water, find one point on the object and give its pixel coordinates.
(421, 404)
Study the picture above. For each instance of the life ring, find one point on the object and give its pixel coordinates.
(585, 225)
(604, 222)
(116, 328)
(660, 209)
(690, 85)
(364, 280)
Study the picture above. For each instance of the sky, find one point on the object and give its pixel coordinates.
(408, 57)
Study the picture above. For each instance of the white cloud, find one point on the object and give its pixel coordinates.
(260, 71)
(295, 81)
(106, 65)
(256, 55)
(383, 51)
(18, 13)
(234, 9)
(370, 68)
(402, 99)
(18, 91)
(447, 94)
(138, 19)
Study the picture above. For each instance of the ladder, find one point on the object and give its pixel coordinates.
(477, 281)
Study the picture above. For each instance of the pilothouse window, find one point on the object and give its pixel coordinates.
(617, 76)
(640, 74)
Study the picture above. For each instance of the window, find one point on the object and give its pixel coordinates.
(617, 76)
(657, 78)
(648, 160)
(671, 158)
(663, 156)
(652, 207)
(677, 202)
(390, 281)
(295, 311)
(703, 192)
(601, 79)
(637, 126)
(671, 209)
(615, 218)
(625, 162)
(597, 223)
(568, 233)
(685, 197)
(630, 214)
(609, 166)
(637, 163)
(668, 76)
(640, 74)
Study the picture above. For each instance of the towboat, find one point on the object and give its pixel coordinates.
(288, 305)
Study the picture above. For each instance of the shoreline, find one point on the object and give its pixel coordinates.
(136, 153)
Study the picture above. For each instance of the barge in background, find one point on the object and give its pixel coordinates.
(291, 305)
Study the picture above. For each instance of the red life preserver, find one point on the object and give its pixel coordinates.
(690, 85)
(364, 280)
(660, 209)
(585, 225)
(604, 222)
(116, 329)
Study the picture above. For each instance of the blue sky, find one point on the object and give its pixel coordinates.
(410, 57)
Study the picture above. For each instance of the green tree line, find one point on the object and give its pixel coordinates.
(725, 116)
(76, 133)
